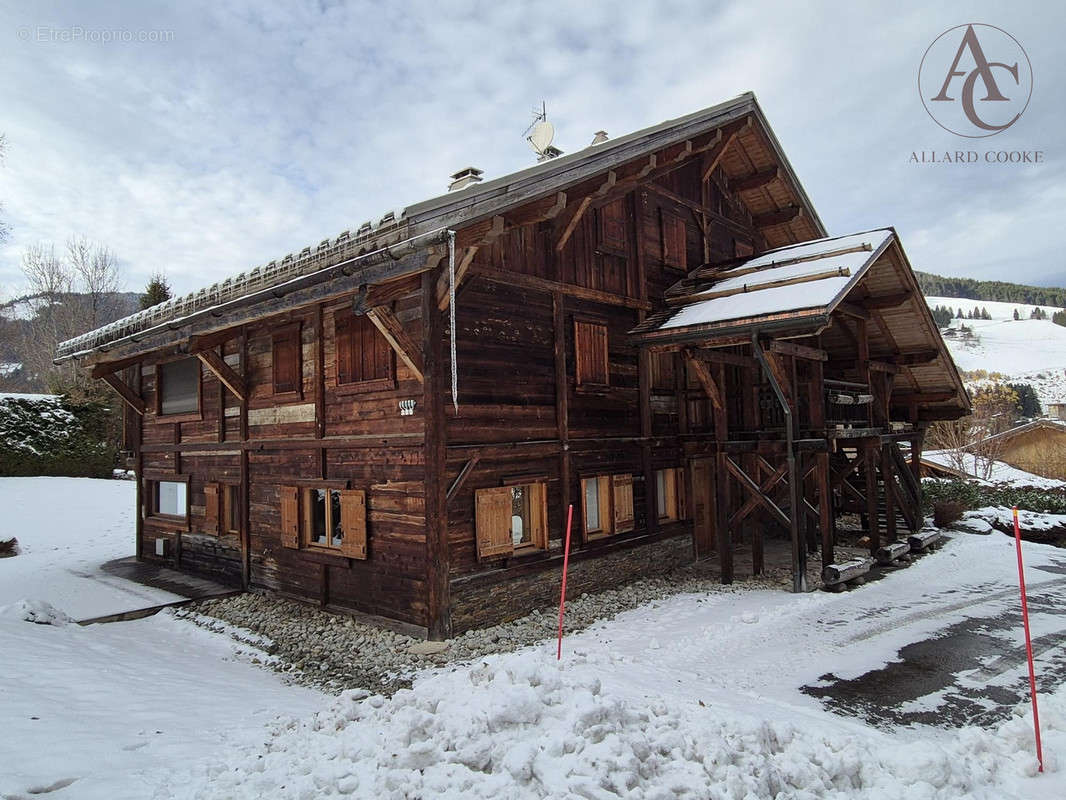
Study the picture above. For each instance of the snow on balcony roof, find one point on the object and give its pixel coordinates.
(758, 296)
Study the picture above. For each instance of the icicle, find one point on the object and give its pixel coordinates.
(451, 317)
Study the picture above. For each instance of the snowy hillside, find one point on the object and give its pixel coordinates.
(1023, 350)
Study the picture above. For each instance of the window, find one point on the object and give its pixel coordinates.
(662, 372)
(612, 219)
(607, 504)
(590, 351)
(178, 390)
(324, 518)
(675, 245)
(286, 361)
(364, 357)
(170, 499)
(669, 493)
(511, 519)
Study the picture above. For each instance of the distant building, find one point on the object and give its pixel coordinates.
(1056, 410)
(1038, 447)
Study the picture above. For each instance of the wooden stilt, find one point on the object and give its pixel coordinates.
(825, 507)
(725, 539)
(869, 448)
(887, 478)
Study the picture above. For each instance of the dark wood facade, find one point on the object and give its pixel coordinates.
(663, 447)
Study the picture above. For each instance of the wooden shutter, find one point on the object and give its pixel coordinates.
(492, 510)
(353, 522)
(538, 515)
(612, 218)
(212, 517)
(682, 494)
(287, 369)
(675, 245)
(363, 354)
(623, 502)
(343, 334)
(290, 516)
(590, 354)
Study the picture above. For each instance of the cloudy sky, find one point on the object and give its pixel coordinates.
(242, 131)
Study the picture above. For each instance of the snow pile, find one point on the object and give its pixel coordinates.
(36, 611)
(525, 726)
(1002, 518)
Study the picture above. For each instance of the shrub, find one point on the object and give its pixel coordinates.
(54, 436)
(947, 511)
(970, 495)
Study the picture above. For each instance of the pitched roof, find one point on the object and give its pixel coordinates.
(424, 223)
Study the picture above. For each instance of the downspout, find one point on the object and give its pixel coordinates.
(799, 549)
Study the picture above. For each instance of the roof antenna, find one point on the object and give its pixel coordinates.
(540, 134)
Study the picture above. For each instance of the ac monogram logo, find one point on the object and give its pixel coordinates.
(968, 92)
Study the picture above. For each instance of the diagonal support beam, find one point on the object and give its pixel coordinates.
(464, 473)
(753, 488)
(224, 372)
(703, 374)
(385, 321)
(134, 400)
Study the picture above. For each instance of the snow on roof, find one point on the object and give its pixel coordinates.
(759, 298)
(1001, 472)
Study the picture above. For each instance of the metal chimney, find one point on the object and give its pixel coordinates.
(599, 138)
(467, 176)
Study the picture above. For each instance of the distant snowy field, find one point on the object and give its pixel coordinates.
(1027, 350)
(691, 697)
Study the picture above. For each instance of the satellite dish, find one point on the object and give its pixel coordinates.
(541, 137)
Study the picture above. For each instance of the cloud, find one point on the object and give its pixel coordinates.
(259, 128)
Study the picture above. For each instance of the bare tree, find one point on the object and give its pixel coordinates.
(96, 268)
(953, 437)
(70, 296)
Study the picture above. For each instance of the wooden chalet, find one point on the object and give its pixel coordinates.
(655, 329)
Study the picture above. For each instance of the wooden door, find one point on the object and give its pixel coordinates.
(703, 506)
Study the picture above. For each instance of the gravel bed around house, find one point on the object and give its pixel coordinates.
(334, 652)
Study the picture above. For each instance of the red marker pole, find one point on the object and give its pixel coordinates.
(562, 594)
(1028, 640)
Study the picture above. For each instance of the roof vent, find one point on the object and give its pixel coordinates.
(549, 152)
(599, 138)
(467, 176)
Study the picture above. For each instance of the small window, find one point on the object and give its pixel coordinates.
(669, 492)
(322, 517)
(231, 509)
(364, 357)
(607, 504)
(511, 519)
(675, 244)
(286, 361)
(171, 499)
(178, 387)
(591, 365)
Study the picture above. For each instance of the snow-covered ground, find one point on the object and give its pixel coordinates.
(1025, 350)
(66, 528)
(691, 697)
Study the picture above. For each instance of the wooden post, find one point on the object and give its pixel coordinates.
(562, 400)
(825, 506)
(246, 528)
(438, 597)
(916, 455)
(139, 470)
(725, 542)
(651, 489)
(887, 477)
(244, 375)
(869, 447)
(753, 524)
(320, 374)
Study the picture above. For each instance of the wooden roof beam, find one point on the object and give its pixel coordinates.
(703, 375)
(698, 297)
(538, 211)
(782, 216)
(757, 180)
(852, 310)
(916, 357)
(385, 321)
(723, 357)
(131, 398)
(887, 300)
(224, 372)
(798, 350)
(921, 398)
(715, 154)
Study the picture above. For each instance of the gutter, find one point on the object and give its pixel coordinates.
(383, 255)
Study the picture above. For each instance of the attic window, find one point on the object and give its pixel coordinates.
(590, 349)
(675, 246)
(287, 370)
(178, 387)
(364, 358)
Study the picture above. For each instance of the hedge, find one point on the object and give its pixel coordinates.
(54, 436)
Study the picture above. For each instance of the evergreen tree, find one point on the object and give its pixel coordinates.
(157, 291)
(960, 315)
(984, 313)
(1016, 314)
(1028, 404)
